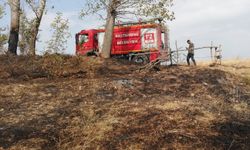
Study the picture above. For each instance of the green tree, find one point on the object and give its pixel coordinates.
(60, 28)
(24, 33)
(3, 37)
(3, 41)
(1, 11)
(120, 8)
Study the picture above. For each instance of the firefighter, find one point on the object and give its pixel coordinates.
(190, 50)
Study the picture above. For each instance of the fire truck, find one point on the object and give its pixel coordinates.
(139, 42)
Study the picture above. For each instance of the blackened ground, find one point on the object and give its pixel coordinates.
(64, 102)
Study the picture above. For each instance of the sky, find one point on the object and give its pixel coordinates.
(225, 22)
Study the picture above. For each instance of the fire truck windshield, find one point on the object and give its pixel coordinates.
(83, 38)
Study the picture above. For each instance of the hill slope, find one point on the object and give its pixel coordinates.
(62, 102)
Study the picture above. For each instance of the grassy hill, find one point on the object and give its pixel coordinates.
(64, 102)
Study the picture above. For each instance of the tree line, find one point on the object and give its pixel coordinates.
(24, 31)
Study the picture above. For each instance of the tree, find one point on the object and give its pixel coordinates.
(3, 37)
(24, 33)
(121, 8)
(38, 7)
(14, 26)
(3, 41)
(60, 28)
(1, 11)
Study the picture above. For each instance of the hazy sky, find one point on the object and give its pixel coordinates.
(225, 22)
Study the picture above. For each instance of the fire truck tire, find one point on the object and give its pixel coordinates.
(140, 59)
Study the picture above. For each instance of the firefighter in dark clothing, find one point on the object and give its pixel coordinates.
(190, 52)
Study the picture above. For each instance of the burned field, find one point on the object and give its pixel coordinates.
(57, 102)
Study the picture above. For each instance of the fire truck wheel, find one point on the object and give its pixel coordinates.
(140, 59)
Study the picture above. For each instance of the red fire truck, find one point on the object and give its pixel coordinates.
(139, 42)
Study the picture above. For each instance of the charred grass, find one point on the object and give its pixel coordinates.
(64, 102)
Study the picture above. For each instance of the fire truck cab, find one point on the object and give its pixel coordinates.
(138, 42)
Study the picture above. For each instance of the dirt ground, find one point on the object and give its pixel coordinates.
(64, 102)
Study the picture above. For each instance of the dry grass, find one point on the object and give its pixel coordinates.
(238, 67)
